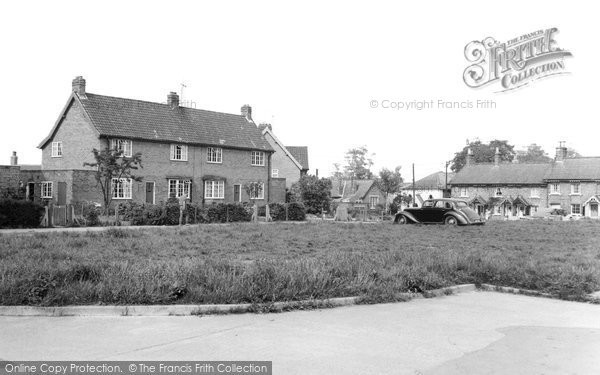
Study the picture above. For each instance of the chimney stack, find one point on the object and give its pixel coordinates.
(14, 160)
(469, 158)
(264, 125)
(173, 100)
(78, 85)
(561, 152)
(497, 157)
(247, 112)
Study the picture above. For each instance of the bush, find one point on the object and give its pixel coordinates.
(20, 214)
(296, 212)
(228, 212)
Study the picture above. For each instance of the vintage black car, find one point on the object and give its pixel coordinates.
(440, 211)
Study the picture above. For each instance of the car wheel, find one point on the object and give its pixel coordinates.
(451, 220)
(401, 220)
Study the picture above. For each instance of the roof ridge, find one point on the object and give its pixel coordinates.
(165, 104)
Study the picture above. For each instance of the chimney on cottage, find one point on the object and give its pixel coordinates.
(173, 100)
(469, 158)
(561, 152)
(78, 85)
(497, 157)
(14, 160)
(264, 125)
(247, 112)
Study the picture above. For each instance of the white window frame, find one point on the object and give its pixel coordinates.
(498, 192)
(464, 192)
(555, 188)
(57, 149)
(214, 155)
(258, 158)
(275, 173)
(574, 205)
(47, 193)
(214, 189)
(535, 193)
(576, 191)
(373, 201)
(181, 187)
(121, 188)
(183, 152)
(261, 192)
(124, 145)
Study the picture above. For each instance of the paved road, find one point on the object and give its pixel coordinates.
(470, 333)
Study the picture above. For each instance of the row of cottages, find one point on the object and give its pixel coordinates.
(201, 155)
(363, 192)
(513, 190)
(433, 186)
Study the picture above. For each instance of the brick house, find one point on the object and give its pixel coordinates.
(202, 155)
(512, 190)
(288, 162)
(357, 192)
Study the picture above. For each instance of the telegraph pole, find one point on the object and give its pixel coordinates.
(414, 200)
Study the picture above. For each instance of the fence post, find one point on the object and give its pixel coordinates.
(286, 211)
(227, 214)
(117, 214)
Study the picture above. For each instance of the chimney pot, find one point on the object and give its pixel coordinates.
(14, 159)
(247, 112)
(173, 100)
(78, 86)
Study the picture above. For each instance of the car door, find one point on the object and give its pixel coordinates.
(439, 210)
(427, 212)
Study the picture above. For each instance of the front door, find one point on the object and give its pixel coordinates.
(30, 191)
(62, 194)
(237, 193)
(150, 192)
(594, 210)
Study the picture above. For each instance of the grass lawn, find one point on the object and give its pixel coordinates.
(250, 263)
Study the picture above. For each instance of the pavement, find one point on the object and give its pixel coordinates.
(468, 333)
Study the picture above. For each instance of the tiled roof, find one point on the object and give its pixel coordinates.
(504, 173)
(136, 119)
(575, 169)
(434, 181)
(585, 168)
(352, 190)
(300, 153)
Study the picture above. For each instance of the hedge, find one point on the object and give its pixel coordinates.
(20, 214)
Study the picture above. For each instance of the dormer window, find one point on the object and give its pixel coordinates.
(123, 145)
(57, 150)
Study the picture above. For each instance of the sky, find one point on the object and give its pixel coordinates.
(312, 69)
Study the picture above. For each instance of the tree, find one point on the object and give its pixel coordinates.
(112, 165)
(483, 153)
(254, 189)
(314, 192)
(358, 164)
(389, 182)
(533, 154)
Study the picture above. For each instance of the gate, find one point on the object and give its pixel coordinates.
(60, 216)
